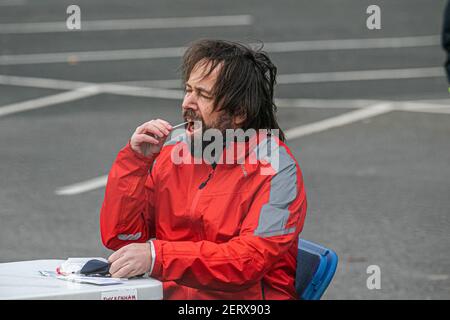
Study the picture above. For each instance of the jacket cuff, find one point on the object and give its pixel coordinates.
(157, 269)
(153, 254)
(141, 160)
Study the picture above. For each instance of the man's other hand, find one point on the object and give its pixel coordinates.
(131, 260)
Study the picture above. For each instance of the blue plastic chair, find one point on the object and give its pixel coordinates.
(316, 266)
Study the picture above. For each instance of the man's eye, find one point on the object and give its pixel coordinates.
(206, 97)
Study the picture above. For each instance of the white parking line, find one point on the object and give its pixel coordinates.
(324, 103)
(431, 110)
(351, 44)
(358, 75)
(143, 92)
(171, 83)
(414, 106)
(176, 52)
(159, 88)
(127, 90)
(318, 77)
(411, 106)
(85, 56)
(49, 100)
(46, 83)
(129, 24)
(339, 121)
(100, 87)
(82, 187)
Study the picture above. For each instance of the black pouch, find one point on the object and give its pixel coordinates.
(97, 268)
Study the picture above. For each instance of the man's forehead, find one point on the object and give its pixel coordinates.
(199, 75)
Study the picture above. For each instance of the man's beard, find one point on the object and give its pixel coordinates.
(199, 143)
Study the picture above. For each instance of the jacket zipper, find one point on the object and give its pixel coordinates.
(262, 290)
(188, 293)
(197, 197)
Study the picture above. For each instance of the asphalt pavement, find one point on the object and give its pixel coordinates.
(378, 187)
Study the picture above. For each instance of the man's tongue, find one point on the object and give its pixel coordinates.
(192, 125)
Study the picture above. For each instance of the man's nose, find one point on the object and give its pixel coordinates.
(190, 101)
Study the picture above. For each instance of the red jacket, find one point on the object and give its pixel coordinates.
(230, 236)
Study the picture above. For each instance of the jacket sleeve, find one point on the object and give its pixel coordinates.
(270, 228)
(127, 213)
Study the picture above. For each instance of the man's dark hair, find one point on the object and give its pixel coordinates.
(245, 81)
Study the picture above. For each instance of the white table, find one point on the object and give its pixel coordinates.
(22, 280)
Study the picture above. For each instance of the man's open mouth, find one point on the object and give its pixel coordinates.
(190, 126)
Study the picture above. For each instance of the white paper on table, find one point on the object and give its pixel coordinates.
(74, 265)
(99, 281)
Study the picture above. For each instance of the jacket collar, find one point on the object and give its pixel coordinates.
(234, 152)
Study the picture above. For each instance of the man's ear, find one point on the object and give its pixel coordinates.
(239, 120)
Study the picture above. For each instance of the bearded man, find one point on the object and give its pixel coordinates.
(226, 227)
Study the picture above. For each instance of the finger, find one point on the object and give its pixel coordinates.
(145, 127)
(161, 126)
(117, 265)
(122, 272)
(116, 255)
(151, 128)
(166, 124)
(140, 129)
(131, 272)
(146, 138)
